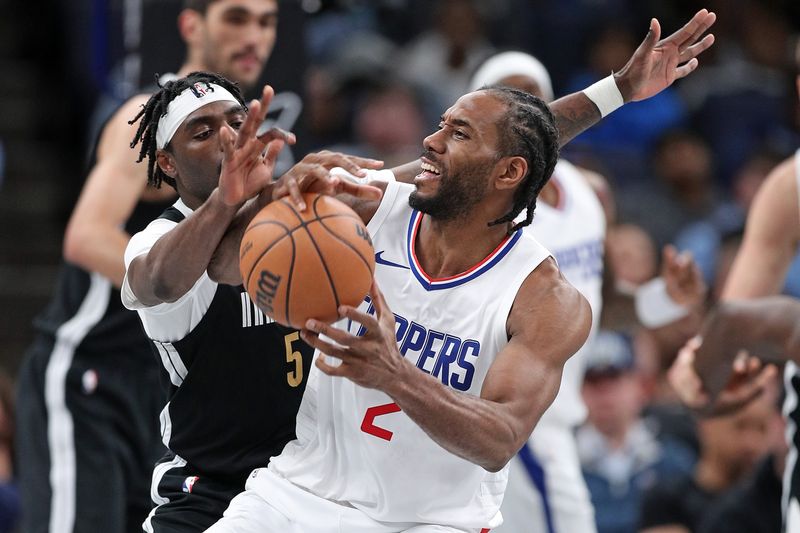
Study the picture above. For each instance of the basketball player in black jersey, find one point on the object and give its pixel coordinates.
(88, 392)
(234, 377)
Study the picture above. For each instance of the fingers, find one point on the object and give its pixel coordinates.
(652, 37)
(256, 114)
(352, 164)
(337, 335)
(340, 370)
(367, 192)
(686, 69)
(684, 379)
(699, 23)
(697, 48)
(274, 133)
(368, 321)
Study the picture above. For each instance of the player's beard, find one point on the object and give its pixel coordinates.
(457, 194)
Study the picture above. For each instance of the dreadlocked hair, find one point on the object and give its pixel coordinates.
(156, 107)
(527, 130)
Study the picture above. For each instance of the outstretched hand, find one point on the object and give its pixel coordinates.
(312, 174)
(656, 64)
(249, 159)
(371, 360)
(685, 283)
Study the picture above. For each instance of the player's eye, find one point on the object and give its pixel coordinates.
(459, 134)
(200, 135)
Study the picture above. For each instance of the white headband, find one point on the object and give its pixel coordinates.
(508, 64)
(187, 103)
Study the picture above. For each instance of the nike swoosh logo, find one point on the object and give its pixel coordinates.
(381, 261)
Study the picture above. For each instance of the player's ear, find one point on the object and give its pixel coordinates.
(166, 163)
(512, 171)
(190, 26)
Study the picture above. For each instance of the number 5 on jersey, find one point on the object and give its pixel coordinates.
(295, 376)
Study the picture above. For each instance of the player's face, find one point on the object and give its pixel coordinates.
(197, 150)
(459, 158)
(239, 36)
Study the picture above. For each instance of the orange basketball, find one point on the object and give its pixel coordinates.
(300, 265)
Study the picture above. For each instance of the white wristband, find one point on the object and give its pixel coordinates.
(605, 95)
(655, 307)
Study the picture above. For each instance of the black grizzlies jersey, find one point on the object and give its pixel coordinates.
(235, 379)
(86, 307)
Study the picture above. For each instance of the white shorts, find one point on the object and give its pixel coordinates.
(546, 491)
(294, 510)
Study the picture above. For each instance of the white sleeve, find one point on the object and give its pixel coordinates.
(169, 321)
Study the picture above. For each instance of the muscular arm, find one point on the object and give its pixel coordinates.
(548, 322)
(95, 238)
(178, 259)
(771, 237)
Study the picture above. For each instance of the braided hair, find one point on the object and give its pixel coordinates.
(527, 130)
(156, 107)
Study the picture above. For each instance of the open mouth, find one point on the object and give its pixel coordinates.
(429, 170)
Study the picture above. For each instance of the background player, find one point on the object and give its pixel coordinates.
(88, 391)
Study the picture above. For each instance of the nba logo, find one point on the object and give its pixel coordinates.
(199, 90)
(188, 483)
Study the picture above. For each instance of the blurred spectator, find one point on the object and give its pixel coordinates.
(631, 255)
(389, 123)
(9, 493)
(731, 446)
(620, 455)
(442, 59)
(705, 237)
(753, 506)
(623, 138)
(740, 98)
(683, 191)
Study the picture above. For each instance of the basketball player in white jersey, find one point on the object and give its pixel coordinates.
(473, 302)
(704, 366)
(545, 487)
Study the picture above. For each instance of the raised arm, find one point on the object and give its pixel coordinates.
(548, 322)
(180, 257)
(654, 66)
(95, 238)
(311, 174)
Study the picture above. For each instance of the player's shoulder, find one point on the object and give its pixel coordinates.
(118, 132)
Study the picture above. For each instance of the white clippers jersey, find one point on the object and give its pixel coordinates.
(574, 232)
(353, 444)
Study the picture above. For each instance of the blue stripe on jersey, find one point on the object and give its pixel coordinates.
(434, 285)
(536, 473)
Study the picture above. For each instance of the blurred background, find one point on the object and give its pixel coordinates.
(372, 78)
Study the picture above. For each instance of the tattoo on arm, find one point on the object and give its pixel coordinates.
(574, 114)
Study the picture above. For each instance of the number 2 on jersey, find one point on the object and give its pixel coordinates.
(295, 377)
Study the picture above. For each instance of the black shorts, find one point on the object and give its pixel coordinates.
(186, 500)
(87, 438)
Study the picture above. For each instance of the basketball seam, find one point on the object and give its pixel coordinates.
(345, 242)
(304, 225)
(265, 248)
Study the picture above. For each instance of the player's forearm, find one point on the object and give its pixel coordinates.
(574, 114)
(770, 325)
(470, 427)
(224, 264)
(181, 256)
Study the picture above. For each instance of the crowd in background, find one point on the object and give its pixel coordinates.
(684, 167)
